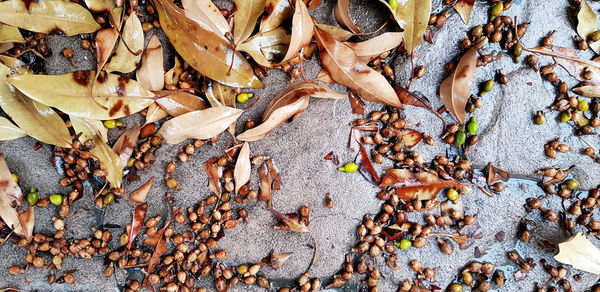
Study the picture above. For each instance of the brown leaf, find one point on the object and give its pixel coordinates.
(10, 199)
(276, 260)
(219, 94)
(177, 103)
(266, 184)
(244, 19)
(155, 113)
(27, 219)
(410, 98)
(495, 174)
(276, 184)
(588, 90)
(358, 106)
(139, 214)
(202, 124)
(366, 166)
(346, 69)
(106, 40)
(302, 31)
(416, 186)
(342, 16)
(151, 73)
(267, 48)
(214, 173)
(464, 9)
(278, 11)
(373, 48)
(568, 58)
(140, 194)
(208, 15)
(158, 242)
(126, 143)
(241, 172)
(409, 137)
(337, 33)
(455, 90)
(290, 222)
(200, 46)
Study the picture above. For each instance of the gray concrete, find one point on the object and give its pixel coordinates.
(508, 139)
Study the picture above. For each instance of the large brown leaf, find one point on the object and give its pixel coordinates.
(126, 143)
(200, 47)
(129, 51)
(278, 11)
(151, 73)
(244, 19)
(241, 172)
(277, 117)
(464, 9)
(177, 103)
(219, 94)
(8, 131)
(413, 17)
(76, 94)
(208, 15)
(416, 186)
(346, 68)
(267, 48)
(48, 16)
(10, 199)
(371, 49)
(342, 16)
(202, 124)
(337, 33)
(455, 90)
(139, 214)
(302, 31)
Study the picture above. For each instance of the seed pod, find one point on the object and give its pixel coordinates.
(419, 71)
(445, 246)
(525, 235)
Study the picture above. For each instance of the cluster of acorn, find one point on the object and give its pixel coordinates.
(481, 276)
(418, 283)
(33, 51)
(525, 264)
(554, 146)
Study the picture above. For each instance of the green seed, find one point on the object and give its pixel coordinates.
(393, 4)
(244, 96)
(594, 36)
(488, 85)
(110, 124)
(460, 138)
(33, 197)
(403, 244)
(540, 119)
(583, 105)
(452, 194)
(350, 167)
(517, 50)
(473, 126)
(56, 199)
(108, 198)
(497, 10)
(119, 123)
(456, 287)
(565, 116)
(572, 184)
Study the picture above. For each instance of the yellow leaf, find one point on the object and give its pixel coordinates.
(155, 113)
(110, 162)
(125, 60)
(580, 253)
(8, 131)
(111, 97)
(219, 94)
(587, 23)
(151, 73)
(413, 17)
(208, 15)
(10, 34)
(337, 33)
(106, 40)
(48, 16)
(202, 124)
(244, 19)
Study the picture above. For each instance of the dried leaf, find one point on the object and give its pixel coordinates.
(409, 137)
(214, 176)
(207, 15)
(241, 173)
(347, 69)
(275, 119)
(76, 94)
(151, 73)
(10, 34)
(588, 90)
(34, 118)
(106, 40)
(587, 23)
(455, 90)
(158, 242)
(290, 222)
(10, 199)
(267, 48)
(324, 76)
(219, 94)
(366, 166)
(129, 51)
(177, 103)
(276, 260)
(244, 19)
(495, 174)
(155, 113)
(126, 144)
(302, 31)
(100, 5)
(414, 99)
(140, 194)
(8, 131)
(580, 253)
(337, 33)
(373, 48)
(342, 16)
(569, 59)
(172, 76)
(133, 229)
(416, 186)
(464, 9)
(276, 184)
(278, 11)
(266, 184)
(27, 219)
(109, 160)
(413, 17)
(48, 16)
(202, 124)
(15, 64)
(358, 106)
(199, 47)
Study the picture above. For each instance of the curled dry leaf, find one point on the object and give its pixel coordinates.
(568, 59)
(357, 104)
(155, 113)
(172, 76)
(140, 194)
(244, 19)
(464, 9)
(371, 49)
(415, 99)
(302, 31)
(416, 186)
(177, 103)
(455, 90)
(409, 137)
(495, 174)
(139, 214)
(10, 34)
(103, 6)
(8, 131)
(278, 11)
(106, 40)
(129, 51)
(366, 166)
(337, 33)
(76, 94)
(289, 222)
(346, 68)
(219, 94)
(267, 48)
(48, 16)
(214, 174)
(587, 23)
(10, 199)
(202, 124)
(199, 46)
(588, 90)
(413, 17)
(158, 242)
(110, 162)
(276, 184)
(208, 15)
(151, 73)
(342, 16)
(126, 143)
(35, 119)
(241, 173)
(581, 253)
(27, 218)
(266, 184)
(276, 260)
